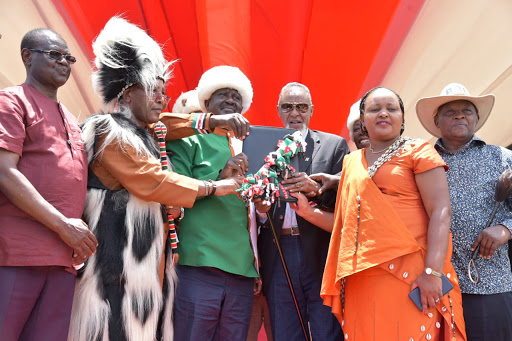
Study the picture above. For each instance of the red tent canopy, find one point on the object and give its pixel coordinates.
(339, 49)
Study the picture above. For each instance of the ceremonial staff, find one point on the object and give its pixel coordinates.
(161, 131)
(265, 184)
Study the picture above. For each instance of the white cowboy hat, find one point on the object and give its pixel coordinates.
(426, 108)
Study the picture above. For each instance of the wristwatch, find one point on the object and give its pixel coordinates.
(430, 271)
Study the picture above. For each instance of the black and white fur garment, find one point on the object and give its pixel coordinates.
(118, 294)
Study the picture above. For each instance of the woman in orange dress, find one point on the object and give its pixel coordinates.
(391, 234)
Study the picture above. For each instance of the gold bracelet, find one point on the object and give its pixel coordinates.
(430, 271)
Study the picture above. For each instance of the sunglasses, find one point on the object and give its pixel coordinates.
(300, 107)
(56, 55)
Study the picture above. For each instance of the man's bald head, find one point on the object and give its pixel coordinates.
(32, 38)
(44, 52)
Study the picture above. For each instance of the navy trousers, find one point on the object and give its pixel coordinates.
(283, 316)
(488, 317)
(211, 304)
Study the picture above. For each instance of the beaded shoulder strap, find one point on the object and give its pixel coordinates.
(394, 148)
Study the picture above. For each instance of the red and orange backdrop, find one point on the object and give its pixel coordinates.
(339, 49)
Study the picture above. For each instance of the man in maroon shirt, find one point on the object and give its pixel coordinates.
(43, 178)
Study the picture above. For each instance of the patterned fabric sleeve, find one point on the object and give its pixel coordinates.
(507, 221)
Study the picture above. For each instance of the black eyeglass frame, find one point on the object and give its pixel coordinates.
(56, 55)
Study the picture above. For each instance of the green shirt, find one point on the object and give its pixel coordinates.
(214, 232)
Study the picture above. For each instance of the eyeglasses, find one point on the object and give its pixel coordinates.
(56, 55)
(164, 98)
(300, 107)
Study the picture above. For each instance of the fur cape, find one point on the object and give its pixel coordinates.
(118, 294)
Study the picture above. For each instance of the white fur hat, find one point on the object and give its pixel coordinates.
(187, 103)
(353, 117)
(220, 77)
(426, 108)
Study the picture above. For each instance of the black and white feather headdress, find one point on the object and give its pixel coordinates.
(126, 55)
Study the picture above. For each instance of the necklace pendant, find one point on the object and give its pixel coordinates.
(378, 151)
(394, 149)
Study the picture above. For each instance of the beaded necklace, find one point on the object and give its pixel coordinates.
(398, 144)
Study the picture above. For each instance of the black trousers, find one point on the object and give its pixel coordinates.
(488, 317)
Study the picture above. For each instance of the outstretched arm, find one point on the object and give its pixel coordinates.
(328, 181)
(316, 216)
(184, 125)
(144, 178)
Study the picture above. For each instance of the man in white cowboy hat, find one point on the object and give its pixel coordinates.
(216, 271)
(475, 166)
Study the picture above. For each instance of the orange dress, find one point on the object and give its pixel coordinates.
(378, 248)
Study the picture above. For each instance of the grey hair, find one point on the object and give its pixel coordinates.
(294, 85)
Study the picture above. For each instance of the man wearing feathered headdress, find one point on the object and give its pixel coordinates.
(118, 294)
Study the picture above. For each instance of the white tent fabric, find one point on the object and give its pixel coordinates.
(16, 19)
(467, 42)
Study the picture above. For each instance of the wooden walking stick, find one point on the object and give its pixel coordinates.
(288, 278)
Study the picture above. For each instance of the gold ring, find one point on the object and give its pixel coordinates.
(297, 184)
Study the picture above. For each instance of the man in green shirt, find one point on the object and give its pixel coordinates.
(216, 266)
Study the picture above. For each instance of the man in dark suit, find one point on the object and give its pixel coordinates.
(304, 245)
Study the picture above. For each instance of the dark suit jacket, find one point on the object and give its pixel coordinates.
(324, 154)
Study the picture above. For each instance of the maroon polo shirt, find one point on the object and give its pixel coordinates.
(48, 140)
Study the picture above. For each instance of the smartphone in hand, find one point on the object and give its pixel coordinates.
(415, 295)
